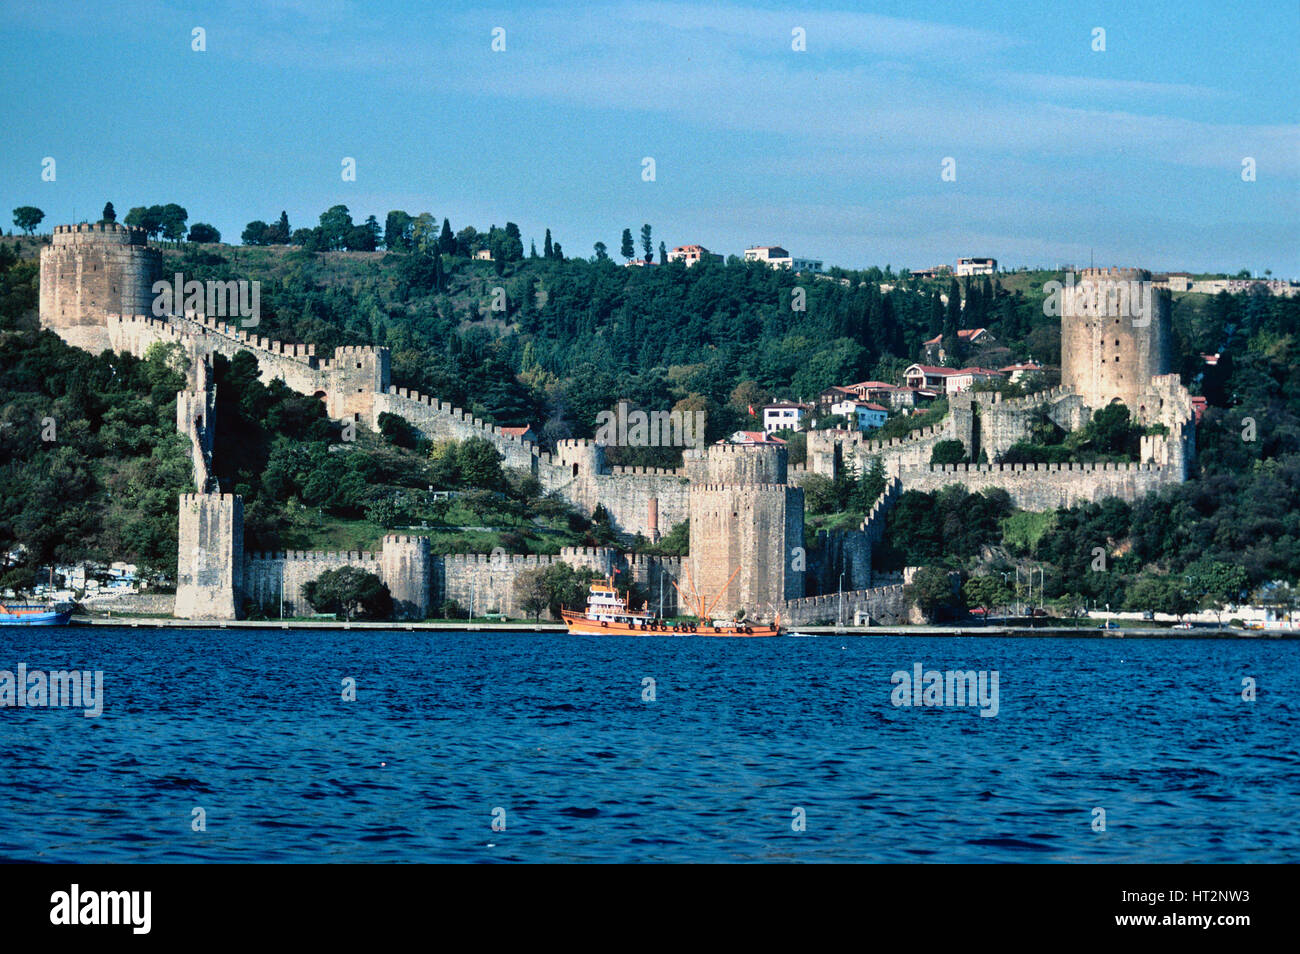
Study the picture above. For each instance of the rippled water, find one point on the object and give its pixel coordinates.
(250, 726)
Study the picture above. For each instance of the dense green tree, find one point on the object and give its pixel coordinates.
(987, 592)
(931, 591)
(203, 233)
(948, 452)
(350, 592)
(254, 233)
(336, 226)
(27, 217)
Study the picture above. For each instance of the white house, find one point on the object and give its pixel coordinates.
(780, 417)
(976, 266)
(929, 377)
(777, 257)
(966, 378)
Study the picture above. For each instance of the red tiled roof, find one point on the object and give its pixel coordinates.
(929, 369)
(514, 431)
(961, 333)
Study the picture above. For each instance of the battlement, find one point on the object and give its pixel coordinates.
(1070, 468)
(458, 414)
(224, 500)
(577, 443)
(206, 324)
(587, 551)
(745, 449)
(323, 556)
(833, 600)
(867, 445)
(635, 560)
(741, 488)
(99, 233)
(1114, 273)
(1048, 396)
(653, 471)
(346, 357)
(397, 539)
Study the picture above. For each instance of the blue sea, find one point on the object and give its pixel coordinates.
(749, 751)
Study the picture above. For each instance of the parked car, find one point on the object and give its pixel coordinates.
(1109, 624)
(1182, 626)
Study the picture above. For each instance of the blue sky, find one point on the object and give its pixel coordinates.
(1128, 156)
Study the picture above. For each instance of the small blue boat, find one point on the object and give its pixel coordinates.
(28, 614)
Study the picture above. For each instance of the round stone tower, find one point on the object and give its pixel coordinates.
(90, 272)
(746, 521)
(1116, 335)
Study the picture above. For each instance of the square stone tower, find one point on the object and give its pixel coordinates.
(210, 557)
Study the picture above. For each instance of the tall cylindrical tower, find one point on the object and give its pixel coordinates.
(1116, 335)
(90, 272)
(746, 530)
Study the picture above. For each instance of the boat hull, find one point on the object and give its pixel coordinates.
(40, 618)
(580, 625)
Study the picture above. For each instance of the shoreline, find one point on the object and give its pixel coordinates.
(126, 622)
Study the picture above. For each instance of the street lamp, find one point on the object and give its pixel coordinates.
(840, 616)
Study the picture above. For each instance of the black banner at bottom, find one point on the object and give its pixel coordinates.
(336, 903)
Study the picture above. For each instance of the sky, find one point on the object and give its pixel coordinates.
(1063, 153)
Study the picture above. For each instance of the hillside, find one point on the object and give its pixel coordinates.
(576, 336)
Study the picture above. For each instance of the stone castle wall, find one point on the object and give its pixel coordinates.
(487, 583)
(266, 575)
(1046, 486)
(883, 604)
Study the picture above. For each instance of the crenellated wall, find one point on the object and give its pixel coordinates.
(267, 575)
(883, 604)
(745, 503)
(440, 420)
(1046, 486)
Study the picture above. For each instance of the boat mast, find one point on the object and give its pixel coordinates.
(722, 591)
